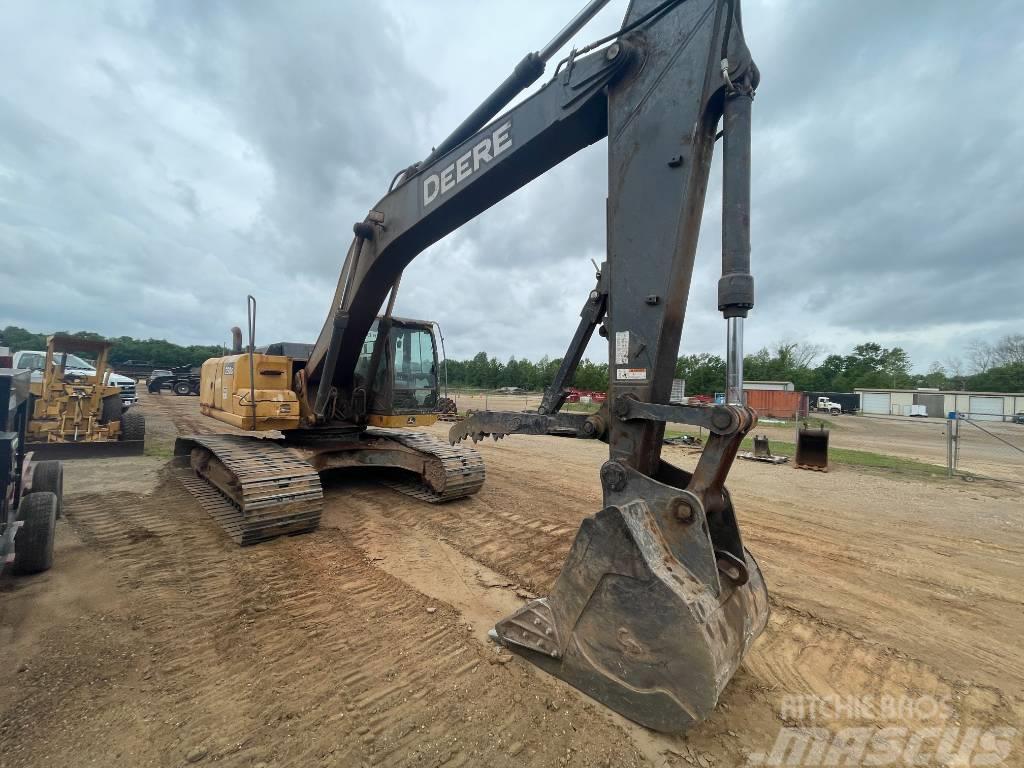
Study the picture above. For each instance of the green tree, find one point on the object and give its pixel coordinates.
(704, 373)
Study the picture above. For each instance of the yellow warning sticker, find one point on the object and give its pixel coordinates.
(631, 374)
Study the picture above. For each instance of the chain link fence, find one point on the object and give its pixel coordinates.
(985, 449)
(495, 401)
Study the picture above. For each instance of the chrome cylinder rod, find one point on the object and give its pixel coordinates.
(590, 10)
(734, 361)
(525, 74)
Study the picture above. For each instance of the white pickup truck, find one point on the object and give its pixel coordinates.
(35, 361)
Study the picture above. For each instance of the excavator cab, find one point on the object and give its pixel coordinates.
(397, 369)
(395, 377)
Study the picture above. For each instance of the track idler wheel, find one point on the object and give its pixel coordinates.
(654, 609)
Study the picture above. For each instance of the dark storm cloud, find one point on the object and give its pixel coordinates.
(158, 161)
(888, 196)
(323, 92)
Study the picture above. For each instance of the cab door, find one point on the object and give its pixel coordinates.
(414, 386)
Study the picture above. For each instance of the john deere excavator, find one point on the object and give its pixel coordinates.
(658, 601)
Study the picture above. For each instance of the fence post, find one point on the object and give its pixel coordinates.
(954, 442)
(949, 445)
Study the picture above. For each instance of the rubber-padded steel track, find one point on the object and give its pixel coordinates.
(463, 467)
(279, 493)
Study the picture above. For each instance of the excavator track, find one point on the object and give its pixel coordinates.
(463, 467)
(271, 491)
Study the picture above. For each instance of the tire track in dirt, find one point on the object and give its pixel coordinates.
(300, 652)
(798, 655)
(912, 592)
(826, 557)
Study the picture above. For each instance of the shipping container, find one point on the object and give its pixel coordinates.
(776, 404)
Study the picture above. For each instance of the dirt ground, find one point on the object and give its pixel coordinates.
(155, 641)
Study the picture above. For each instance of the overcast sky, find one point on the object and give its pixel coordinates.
(161, 160)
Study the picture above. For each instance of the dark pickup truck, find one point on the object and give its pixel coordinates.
(181, 381)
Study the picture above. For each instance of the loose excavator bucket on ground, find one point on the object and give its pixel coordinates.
(762, 452)
(812, 448)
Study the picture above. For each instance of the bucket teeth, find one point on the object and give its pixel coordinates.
(498, 424)
(532, 627)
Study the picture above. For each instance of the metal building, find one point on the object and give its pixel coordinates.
(981, 406)
(773, 386)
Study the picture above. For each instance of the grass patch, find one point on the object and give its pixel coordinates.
(159, 451)
(813, 420)
(582, 407)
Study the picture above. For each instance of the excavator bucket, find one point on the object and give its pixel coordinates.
(655, 607)
(761, 448)
(812, 448)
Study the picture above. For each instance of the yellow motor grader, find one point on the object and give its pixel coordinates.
(77, 412)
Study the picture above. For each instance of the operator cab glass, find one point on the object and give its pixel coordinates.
(72, 361)
(34, 362)
(415, 369)
(362, 373)
(404, 379)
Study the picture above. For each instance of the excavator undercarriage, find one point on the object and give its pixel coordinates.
(658, 601)
(274, 484)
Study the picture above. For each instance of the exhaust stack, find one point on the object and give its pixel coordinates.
(236, 340)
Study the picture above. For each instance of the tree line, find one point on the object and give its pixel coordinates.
(1000, 369)
(159, 353)
(988, 367)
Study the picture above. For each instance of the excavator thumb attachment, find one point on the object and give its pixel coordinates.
(655, 607)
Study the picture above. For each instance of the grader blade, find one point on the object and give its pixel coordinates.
(655, 607)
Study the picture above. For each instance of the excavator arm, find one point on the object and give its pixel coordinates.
(658, 600)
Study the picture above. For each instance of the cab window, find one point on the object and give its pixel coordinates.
(32, 362)
(365, 355)
(415, 382)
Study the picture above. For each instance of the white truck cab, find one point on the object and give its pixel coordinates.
(824, 405)
(35, 361)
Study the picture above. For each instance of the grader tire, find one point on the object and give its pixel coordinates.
(33, 544)
(48, 477)
(112, 409)
(133, 426)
